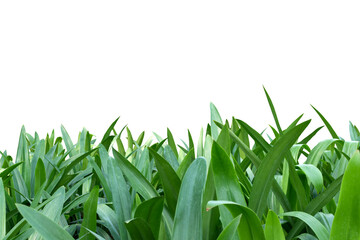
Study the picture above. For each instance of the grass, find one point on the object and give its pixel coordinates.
(222, 188)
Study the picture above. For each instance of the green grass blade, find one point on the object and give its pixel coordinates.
(108, 216)
(68, 143)
(120, 194)
(171, 143)
(273, 229)
(108, 131)
(319, 229)
(250, 226)
(265, 173)
(136, 179)
(230, 230)
(2, 210)
(151, 210)
(139, 229)
(89, 219)
(273, 111)
(316, 205)
(170, 180)
(346, 223)
(214, 116)
(47, 228)
(187, 221)
(318, 150)
(354, 132)
(327, 124)
(313, 174)
(226, 182)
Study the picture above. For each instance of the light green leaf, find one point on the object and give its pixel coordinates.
(319, 229)
(313, 174)
(47, 228)
(2, 210)
(250, 227)
(265, 173)
(187, 221)
(230, 230)
(273, 229)
(346, 224)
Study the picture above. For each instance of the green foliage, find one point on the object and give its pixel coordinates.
(234, 184)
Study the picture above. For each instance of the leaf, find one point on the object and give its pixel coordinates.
(354, 132)
(319, 229)
(318, 150)
(250, 227)
(226, 182)
(187, 221)
(229, 231)
(264, 177)
(109, 218)
(273, 110)
(273, 229)
(170, 180)
(346, 224)
(2, 210)
(171, 143)
(327, 124)
(68, 143)
(313, 174)
(214, 116)
(139, 229)
(136, 179)
(47, 228)
(120, 194)
(89, 219)
(151, 210)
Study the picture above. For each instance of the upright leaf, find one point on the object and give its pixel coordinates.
(187, 222)
(265, 173)
(346, 223)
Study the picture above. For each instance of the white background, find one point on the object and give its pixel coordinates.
(159, 64)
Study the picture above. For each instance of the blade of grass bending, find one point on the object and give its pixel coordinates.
(170, 180)
(319, 229)
(2, 210)
(273, 111)
(187, 221)
(346, 224)
(327, 124)
(250, 226)
(229, 231)
(318, 150)
(265, 173)
(313, 175)
(151, 210)
(43, 225)
(273, 229)
(136, 179)
(89, 219)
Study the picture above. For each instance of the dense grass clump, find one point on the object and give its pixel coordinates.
(223, 187)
